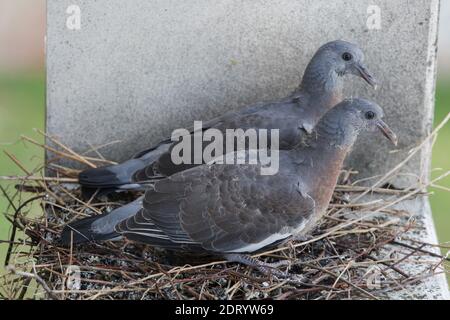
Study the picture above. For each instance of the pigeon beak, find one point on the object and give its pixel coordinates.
(387, 132)
(365, 74)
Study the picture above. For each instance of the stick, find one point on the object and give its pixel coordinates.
(35, 178)
(73, 153)
(35, 277)
(41, 184)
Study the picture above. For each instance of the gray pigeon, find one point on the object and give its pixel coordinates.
(233, 210)
(320, 89)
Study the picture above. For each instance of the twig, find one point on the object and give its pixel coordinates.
(366, 293)
(70, 151)
(350, 188)
(14, 224)
(419, 249)
(41, 184)
(34, 178)
(36, 277)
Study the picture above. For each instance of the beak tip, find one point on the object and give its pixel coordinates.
(387, 132)
(394, 139)
(366, 75)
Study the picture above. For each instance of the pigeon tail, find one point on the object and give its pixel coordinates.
(120, 177)
(110, 176)
(88, 193)
(80, 232)
(100, 227)
(102, 181)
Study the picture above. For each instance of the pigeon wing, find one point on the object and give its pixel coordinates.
(268, 117)
(225, 208)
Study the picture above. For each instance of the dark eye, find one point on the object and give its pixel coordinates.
(370, 115)
(347, 56)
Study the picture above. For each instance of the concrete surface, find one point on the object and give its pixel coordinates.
(138, 69)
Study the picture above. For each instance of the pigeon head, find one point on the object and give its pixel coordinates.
(348, 58)
(344, 122)
(332, 62)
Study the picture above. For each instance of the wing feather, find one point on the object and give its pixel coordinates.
(223, 208)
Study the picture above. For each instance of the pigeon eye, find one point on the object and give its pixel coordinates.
(347, 56)
(370, 115)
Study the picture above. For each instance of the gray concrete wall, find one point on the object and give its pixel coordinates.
(137, 69)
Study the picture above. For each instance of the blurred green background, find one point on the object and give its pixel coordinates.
(22, 105)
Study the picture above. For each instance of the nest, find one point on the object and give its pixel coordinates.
(367, 246)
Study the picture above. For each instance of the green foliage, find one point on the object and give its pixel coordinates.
(440, 200)
(22, 108)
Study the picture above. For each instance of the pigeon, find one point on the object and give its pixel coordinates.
(231, 209)
(321, 88)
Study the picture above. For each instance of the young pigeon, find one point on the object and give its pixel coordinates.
(233, 210)
(320, 89)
